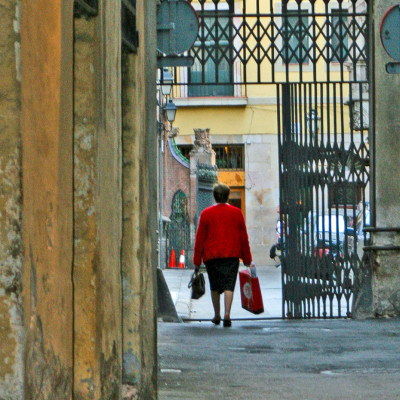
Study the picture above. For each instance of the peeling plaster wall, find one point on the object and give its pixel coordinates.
(11, 312)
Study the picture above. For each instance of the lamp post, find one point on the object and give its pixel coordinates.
(313, 121)
(167, 112)
(166, 82)
(170, 111)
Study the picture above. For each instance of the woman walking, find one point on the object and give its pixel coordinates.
(221, 239)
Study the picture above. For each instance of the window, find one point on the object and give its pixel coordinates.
(236, 198)
(295, 37)
(213, 66)
(229, 156)
(339, 38)
(185, 150)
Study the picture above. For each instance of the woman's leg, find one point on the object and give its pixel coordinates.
(228, 303)
(216, 303)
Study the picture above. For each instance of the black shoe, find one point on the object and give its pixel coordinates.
(227, 323)
(216, 320)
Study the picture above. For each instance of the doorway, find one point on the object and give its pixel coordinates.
(237, 199)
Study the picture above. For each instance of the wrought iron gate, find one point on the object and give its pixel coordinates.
(323, 194)
(315, 52)
(178, 231)
(324, 160)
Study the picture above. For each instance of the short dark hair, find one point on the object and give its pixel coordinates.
(221, 193)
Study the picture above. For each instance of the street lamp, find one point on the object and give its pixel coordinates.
(170, 110)
(313, 121)
(167, 81)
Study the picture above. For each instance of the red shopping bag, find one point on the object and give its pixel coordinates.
(250, 293)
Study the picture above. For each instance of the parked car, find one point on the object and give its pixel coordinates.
(325, 237)
(357, 237)
(324, 232)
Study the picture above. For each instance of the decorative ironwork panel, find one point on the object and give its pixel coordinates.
(207, 177)
(324, 179)
(261, 41)
(178, 231)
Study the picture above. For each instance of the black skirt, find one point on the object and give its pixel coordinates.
(222, 273)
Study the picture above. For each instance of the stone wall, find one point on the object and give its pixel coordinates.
(61, 155)
(262, 194)
(176, 176)
(11, 311)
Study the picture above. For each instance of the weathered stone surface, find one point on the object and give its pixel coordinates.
(108, 200)
(48, 378)
(386, 121)
(11, 311)
(139, 257)
(86, 372)
(202, 150)
(46, 124)
(72, 304)
(386, 278)
(132, 243)
(262, 194)
(129, 392)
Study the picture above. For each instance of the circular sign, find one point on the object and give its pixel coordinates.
(247, 290)
(390, 32)
(177, 27)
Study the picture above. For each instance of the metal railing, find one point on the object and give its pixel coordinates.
(229, 157)
(271, 42)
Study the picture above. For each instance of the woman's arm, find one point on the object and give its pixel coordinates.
(244, 238)
(201, 235)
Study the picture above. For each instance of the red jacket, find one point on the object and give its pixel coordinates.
(221, 234)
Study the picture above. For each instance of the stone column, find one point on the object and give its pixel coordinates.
(47, 92)
(386, 119)
(86, 77)
(139, 241)
(203, 153)
(108, 199)
(202, 150)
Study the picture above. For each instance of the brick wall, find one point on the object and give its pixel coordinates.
(176, 176)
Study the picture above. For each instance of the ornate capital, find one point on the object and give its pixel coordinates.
(202, 141)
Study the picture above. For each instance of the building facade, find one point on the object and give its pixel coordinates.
(245, 49)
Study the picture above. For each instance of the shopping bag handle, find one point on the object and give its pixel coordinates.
(252, 270)
(195, 273)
